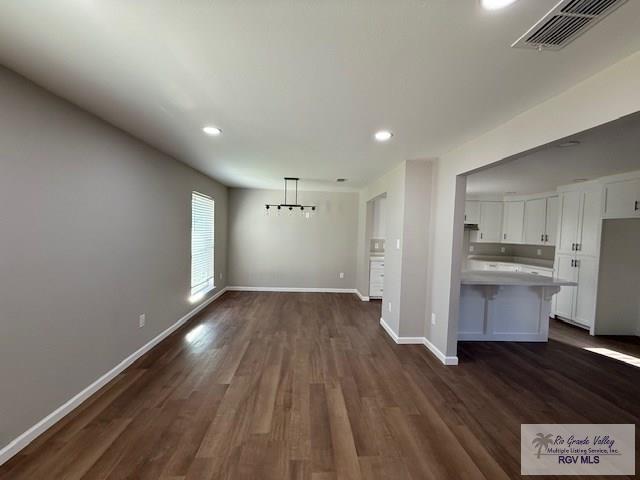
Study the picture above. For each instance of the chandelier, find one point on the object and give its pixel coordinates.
(294, 205)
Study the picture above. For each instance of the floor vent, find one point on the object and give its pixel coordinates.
(565, 22)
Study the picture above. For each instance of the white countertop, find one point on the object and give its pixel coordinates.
(482, 277)
(530, 262)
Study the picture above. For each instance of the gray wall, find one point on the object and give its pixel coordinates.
(94, 230)
(618, 311)
(289, 250)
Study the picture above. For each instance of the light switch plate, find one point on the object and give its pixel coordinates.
(341, 274)
(142, 320)
(389, 306)
(433, 318)
(539, 251)
(398, 244)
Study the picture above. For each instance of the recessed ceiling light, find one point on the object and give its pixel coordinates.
(570, 143)
(383, 135)
(496, 4)
(213, 131)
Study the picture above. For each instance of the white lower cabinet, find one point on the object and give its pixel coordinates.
(376, 278)
(577, 304)
(564, 299)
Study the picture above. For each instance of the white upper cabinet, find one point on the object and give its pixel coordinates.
(535, 221)
(590, 225)
(490, 225)
(622, 199)
(541, 221)
(552, 221)
(513, 223)
(472, 212)
(568, 222)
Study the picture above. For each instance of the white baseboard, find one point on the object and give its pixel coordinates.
(362, 297)
(446, 360)
(389, 330)
(291, 289)
(13, 447)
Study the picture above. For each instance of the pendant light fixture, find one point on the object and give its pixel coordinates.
(290, 204)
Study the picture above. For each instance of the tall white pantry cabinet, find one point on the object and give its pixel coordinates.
(578, 251)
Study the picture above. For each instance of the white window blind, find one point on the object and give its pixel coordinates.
(202, 244)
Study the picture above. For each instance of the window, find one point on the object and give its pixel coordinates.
(202, 240)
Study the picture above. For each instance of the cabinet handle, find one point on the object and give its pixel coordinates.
(546, 237)
(481, 235)
(578, 247)
(573, 247)
(577, 263)
(504, 236)
(465, 217)
(636, 206)
(573, 263)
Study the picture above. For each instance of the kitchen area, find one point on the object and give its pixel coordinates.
(376, 247)
(553, 235)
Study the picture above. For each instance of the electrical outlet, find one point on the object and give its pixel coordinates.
(376, 245)
(389, 305)
(433, 318)
(502, 249)
(398, 244)
(539, 251)
(142, 320)
(471, 248)
(341, 274)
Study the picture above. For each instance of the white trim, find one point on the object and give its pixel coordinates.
(17, 444)
(389, 330)
(362, 297)
(451, 360)
(292, 289)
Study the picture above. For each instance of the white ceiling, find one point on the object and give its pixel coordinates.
(300, 86)
(606, 150)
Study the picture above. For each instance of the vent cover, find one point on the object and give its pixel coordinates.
(565, 22)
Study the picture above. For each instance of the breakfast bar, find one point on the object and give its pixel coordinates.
(506, 306)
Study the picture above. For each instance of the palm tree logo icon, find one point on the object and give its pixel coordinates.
(541, 441)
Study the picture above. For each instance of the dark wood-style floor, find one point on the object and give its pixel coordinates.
(308, 386)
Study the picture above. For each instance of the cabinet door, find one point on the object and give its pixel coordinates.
(552, 221)
(535, 214)
(590, 223)
(622, 199)
(490, 222)
(565, 297)
(472, 212)
(586, 291)
(513, 222)
(569, 221)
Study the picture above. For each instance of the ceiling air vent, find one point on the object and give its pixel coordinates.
(565, 22)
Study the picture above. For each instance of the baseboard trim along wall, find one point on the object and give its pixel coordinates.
(16, 445)
(446, 360)
(362, 297)
(292, 289)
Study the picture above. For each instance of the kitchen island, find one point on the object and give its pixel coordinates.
(506, 306)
